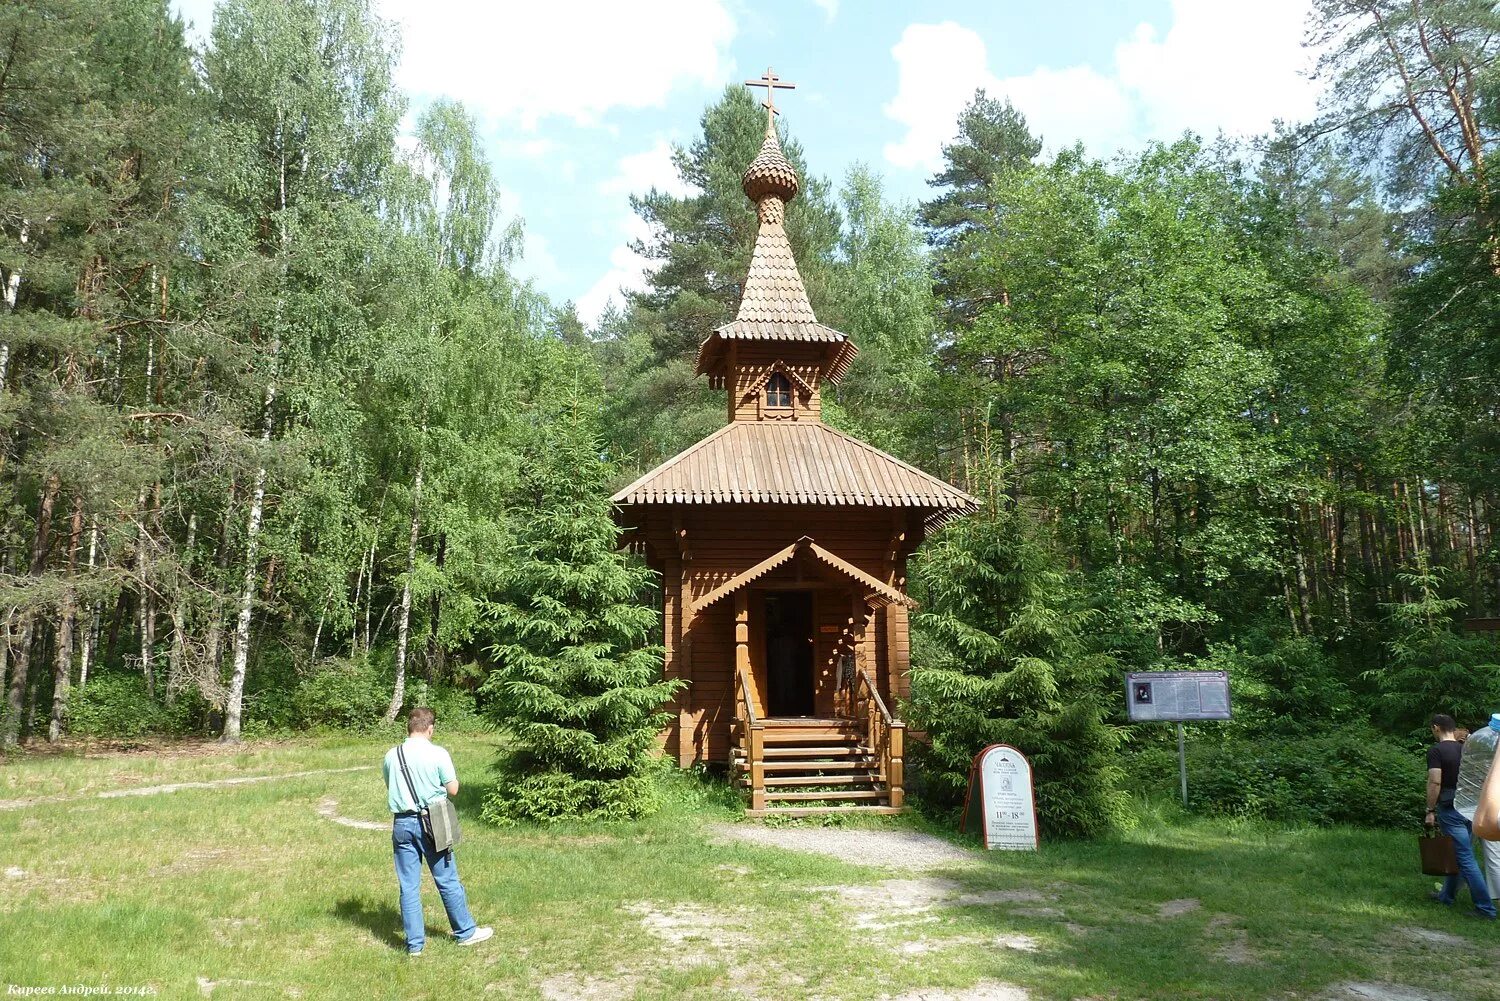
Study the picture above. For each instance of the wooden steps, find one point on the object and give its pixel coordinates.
(811, 766)
(818, 780)
(828, 794)
(814, 811)
(849, 750)
(794, 765)
(801, 735)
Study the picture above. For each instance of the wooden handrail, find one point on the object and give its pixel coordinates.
(885, 713)
(752, 739)
(884, 735)
(742, 693)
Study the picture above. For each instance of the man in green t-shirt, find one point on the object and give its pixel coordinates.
(429, 774)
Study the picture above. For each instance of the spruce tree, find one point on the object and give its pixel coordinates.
(578, 684)
(1001, 659)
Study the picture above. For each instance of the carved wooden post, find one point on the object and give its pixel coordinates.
(896, 764)
(687, 740)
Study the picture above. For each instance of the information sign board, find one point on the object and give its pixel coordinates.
(1176, 696)
(1001, 807)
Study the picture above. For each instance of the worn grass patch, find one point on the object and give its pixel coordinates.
(284, 888)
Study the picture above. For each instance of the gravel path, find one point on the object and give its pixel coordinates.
(887, 849)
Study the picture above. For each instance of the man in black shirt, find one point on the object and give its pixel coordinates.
(1442, 782)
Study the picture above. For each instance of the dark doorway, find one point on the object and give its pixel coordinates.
(789, 652)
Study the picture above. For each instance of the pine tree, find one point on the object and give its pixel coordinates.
(578, 684)
(993, 141)
(1001, 658)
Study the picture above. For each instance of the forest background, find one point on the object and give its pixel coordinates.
(285, 444)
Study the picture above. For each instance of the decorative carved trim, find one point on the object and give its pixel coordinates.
(782, 367)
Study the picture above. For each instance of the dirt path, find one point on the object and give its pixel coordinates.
(329, 807)
(160, 790)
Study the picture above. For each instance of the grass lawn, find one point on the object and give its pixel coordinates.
(249, 891)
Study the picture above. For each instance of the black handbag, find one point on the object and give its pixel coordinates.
(439, 818)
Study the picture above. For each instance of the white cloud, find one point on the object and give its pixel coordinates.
(1221, 66)
(651, 168)
(637, 173)
(1230, 66)
(572, 59)
(529, 149)
(198, 15)
(1064, 106)
(627, 272)
(537, 263)
(830, 8)
(938, 66)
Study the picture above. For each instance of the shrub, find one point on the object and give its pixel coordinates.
(347, 694)
(578, 685)
(456, 709)
(1006, 660)
(115, 704)
(1356, 777)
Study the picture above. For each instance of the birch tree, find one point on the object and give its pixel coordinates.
(305, 120)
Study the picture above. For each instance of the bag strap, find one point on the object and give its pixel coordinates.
(410, 787)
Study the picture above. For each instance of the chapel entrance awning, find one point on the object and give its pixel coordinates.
(876, 590)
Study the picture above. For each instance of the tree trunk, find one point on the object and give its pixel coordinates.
(403, 627)
(91, 626)
(178, 655)
(12, 296)
(16, 696)
(67, 610)
(146, 609)
(235, 703)
(370, 586)
(7, 637)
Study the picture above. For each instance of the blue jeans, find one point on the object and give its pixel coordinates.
(410, 848)
(1453, 824)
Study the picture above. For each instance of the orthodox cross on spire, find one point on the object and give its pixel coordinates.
(771, 82)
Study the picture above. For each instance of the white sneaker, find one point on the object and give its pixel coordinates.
(480, 935)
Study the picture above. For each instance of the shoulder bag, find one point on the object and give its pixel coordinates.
(439, 818)
(1438, 857)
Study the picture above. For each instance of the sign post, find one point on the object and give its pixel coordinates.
(1001, 806)
(1182, 762)
(1177, 697)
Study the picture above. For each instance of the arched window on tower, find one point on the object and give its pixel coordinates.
(778, 391)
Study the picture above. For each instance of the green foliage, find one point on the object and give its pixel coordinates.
(116, 704)
(1432, 667)
(1282, 685)
(1005, 629)
(456, 708)
(578, 683)
(1354, 775)
(341, 694)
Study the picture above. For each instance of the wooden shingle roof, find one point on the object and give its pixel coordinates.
(794, 462)
(774, 305)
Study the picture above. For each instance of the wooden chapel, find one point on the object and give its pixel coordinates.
(782, 545)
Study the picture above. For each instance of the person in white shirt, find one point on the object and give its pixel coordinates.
(430, 775)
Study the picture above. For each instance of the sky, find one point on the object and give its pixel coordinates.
(580, 101)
